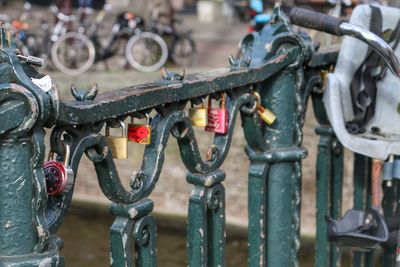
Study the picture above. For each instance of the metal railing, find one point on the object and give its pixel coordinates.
(278, 64)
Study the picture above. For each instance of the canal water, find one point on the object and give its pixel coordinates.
(85, 235)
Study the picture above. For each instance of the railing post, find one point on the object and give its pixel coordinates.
(280, 94)
(133, 223)
(24, 108)
(257, 191)
(329, 178)
(361, 173)
(206, 220)
(391, 196)
(275, 160)
(329, 183)
(16, 215)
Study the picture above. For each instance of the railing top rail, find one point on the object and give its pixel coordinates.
(139, 97)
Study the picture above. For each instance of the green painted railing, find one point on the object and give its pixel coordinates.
(279, 64)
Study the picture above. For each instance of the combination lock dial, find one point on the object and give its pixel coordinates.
(59, 177)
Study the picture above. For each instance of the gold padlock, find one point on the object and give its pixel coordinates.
(264, 113)
(198, 116)
(118, 145)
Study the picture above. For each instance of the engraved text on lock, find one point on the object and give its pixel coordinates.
(217, 120)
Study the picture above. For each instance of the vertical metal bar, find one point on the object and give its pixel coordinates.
(145, 234)
(296, 216)
(389, 197)
(17, 231)
(282, 175)
(257, 214)
(397, 213)
(369, 255)
(197, 228)
(324, 170)
(120, 245)
(133, 222)
(216, 225)
(360, 175)
(336, 192)
(206, 222)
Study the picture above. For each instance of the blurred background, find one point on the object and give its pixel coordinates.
(120, 43)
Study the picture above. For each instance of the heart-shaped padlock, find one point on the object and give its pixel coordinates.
(59, 176)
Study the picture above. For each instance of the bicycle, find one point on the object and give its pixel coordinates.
(127, 28)
(71, 52)
(181, 48)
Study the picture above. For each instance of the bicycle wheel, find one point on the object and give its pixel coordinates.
(73, 53)
(183, 52)
(146, 52)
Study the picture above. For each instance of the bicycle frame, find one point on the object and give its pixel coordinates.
(117, 32)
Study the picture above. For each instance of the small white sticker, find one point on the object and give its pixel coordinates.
(44, 83)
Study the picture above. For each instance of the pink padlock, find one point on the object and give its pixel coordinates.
(217, 117)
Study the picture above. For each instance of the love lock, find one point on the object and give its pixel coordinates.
(361, 230)
(59, 176)
(140, 133)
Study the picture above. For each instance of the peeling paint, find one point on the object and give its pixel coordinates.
(279, 59)
(45, 263)
(268, 47)
(8, 224)
(133, 212)
(40, 230)
(209, 181)
(201, 232)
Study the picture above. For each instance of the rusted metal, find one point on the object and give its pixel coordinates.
(376, 173)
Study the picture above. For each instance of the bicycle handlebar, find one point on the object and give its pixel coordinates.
(336, 26)
(313, 20)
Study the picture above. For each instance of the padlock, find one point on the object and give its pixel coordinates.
(59, 176)
(265, 114)
(140, 133)
(198, 116)
(118, 145)
(217, 117)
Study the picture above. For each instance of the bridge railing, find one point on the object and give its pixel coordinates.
(279, 65)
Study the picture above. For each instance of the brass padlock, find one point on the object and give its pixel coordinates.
(198, 116)
(264, 113)
(118, 145)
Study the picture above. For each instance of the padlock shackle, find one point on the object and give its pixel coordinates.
(193, 105)
(147, 119)
(67, 154)
(51, 155)
(123, 127)
(258, 99)
(222, 101)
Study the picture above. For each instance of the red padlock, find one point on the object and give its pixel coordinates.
(59, 176)
(217, 117)
(140, 133)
